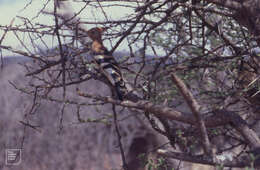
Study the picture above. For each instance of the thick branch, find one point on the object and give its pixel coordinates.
(222, 117)
(158, 110)
(241, 126)
(201, 159)
(231, 4)
(195, 108)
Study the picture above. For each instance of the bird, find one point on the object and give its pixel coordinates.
(107, 64)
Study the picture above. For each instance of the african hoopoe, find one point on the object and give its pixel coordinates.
(108, 65)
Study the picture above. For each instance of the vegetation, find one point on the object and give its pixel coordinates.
(194, 63)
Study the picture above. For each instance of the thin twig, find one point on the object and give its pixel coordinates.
(2, 38)
(119, 138)
(63, 58)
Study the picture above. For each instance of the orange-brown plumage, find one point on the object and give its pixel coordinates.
(109, 66)
(95, 34)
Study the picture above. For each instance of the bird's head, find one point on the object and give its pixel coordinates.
(96, 33)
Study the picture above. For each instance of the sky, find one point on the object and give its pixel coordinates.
(12, 8)
(8, 1)
(9, 10)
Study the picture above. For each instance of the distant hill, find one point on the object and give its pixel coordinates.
(14, 60)
(20, 59)
(67, 146)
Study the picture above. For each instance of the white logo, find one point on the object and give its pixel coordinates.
(13, 156)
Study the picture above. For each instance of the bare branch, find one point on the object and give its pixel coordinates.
(195, 108)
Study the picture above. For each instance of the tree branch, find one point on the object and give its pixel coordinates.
(231, 4)
(195, 108)
(201, 159)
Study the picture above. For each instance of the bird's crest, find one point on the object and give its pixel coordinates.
(96, 35)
